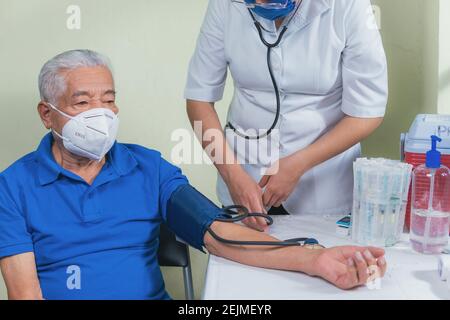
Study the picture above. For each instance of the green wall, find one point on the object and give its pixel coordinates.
(409, 29)
(150, 43)
(444, 58)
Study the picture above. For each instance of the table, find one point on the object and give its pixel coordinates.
(410, 275)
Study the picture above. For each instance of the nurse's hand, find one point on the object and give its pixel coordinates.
(350, 266)
(246, 192)
(279, 181)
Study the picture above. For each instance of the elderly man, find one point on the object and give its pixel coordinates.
(80, 216)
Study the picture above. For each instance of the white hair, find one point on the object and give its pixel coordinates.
(51, 81)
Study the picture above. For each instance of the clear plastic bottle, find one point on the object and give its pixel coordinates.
(430, 204)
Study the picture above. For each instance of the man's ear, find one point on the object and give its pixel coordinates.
(44, 111)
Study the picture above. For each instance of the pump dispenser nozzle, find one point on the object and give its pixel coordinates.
(434, 156)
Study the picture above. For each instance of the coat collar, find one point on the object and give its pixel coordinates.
(308, 11)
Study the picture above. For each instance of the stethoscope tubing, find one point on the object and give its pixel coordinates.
(269, 46)
(237, 213)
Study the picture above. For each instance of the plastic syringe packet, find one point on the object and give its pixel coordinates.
(380, 195)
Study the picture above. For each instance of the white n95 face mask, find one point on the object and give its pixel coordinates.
(90, 134)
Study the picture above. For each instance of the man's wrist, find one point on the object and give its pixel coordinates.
(306, 260)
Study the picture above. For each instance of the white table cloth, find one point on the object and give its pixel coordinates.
(410, 275)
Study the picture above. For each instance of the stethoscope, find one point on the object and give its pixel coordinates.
(237, 213)
(269, 46)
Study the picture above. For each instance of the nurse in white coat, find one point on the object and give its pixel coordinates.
(331, 72)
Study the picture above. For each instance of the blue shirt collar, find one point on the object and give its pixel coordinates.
(120, 158)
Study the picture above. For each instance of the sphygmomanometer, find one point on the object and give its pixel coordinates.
(188, 209)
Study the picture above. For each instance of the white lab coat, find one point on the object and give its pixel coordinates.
(331, 63)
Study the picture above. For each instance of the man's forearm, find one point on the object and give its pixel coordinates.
(347, 133)
(280, 258)
(20, 275)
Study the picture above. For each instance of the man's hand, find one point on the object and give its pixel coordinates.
(246, 192)
(280, 180)
(348, 267)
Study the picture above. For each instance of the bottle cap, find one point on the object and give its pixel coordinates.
(434, 156)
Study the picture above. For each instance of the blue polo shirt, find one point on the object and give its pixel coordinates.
(94, 241)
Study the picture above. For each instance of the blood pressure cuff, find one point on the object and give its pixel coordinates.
(189, 214)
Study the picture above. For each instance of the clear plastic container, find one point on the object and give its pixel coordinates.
(430, 205)
(379, 201)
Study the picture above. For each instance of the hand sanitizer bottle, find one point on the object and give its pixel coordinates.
(430, 204)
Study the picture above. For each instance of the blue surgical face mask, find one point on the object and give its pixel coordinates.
(273, 13)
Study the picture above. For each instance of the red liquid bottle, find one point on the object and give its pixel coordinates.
(430, 204)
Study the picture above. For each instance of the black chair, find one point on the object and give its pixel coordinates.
(173, 253)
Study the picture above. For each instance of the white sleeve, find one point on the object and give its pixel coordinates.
(364, 69)
(208, 67)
